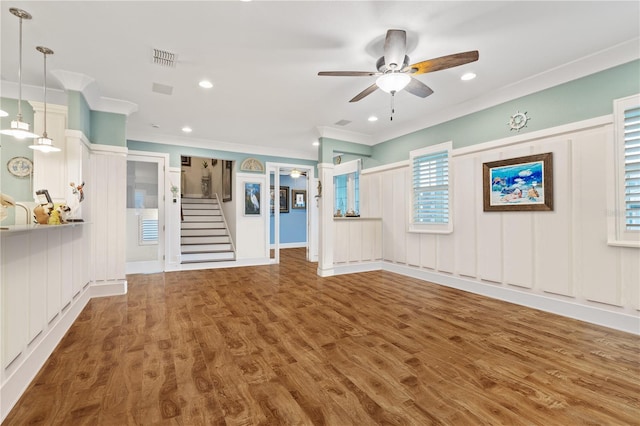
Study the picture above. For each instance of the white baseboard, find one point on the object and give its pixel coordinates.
(356, 267)
(591, 314)
(290, 245)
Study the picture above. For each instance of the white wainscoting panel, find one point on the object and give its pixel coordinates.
(54, 273)
(465, 208)
(558, 260)
(597, 271)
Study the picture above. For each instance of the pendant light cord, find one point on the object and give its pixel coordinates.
(20, 72)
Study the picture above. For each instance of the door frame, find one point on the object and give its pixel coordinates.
(312, 211)
(158, 265)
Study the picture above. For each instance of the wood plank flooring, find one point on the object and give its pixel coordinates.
(278, 345)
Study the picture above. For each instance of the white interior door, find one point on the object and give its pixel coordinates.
(145, 214)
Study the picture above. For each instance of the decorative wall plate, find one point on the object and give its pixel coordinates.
(518, 120)
(20, 166)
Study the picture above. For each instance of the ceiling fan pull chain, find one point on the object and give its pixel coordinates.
(393, 109)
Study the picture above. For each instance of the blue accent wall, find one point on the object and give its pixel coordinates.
(293, 225)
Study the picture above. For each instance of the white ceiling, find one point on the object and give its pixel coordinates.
(263, 58)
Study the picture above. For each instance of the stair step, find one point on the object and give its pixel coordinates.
(218, 239)
(201, 212)
(202, 225)
(210, 232)
(205, 248)
(207, 257)
(202, 219)
(187, 200)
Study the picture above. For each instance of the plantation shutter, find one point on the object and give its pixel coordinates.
(431, 188)
(632, 168)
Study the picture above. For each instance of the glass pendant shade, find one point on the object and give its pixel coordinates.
(19, 129)
(393, 82)
(44, 144)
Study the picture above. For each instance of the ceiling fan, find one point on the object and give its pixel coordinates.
(394, 72)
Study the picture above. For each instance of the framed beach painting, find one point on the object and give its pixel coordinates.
(518, 184)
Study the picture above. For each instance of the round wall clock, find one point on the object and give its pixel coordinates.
(20, 166)
(518, 120)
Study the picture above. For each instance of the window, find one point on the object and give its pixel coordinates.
(346, 185)
(430, 189)
(627, 160)
(148, 227)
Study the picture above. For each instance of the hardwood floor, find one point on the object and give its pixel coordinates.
(277, 344)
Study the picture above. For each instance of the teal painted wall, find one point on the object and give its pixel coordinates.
(17, 188)
(581, 99)
(176, 151)
(108, 128)
(350, 150)
(79, 114)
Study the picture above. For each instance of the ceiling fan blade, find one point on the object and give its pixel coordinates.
(395, 47)
(366, 92)
(418, 88)
(350, 73)
(443, 62)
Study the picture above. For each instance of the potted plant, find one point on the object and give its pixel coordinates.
(205, 168)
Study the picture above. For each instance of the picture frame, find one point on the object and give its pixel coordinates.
(252, 193)
(283, 197)
(298, 199)
(518, 184)
(185, 161)
(227, 172)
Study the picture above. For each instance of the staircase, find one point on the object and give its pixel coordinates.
(204, 236)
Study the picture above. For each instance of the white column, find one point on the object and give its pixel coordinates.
(325, 252)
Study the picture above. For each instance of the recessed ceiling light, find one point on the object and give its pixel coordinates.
(316, 143)
(187, 129)
(205, 84)
(468, 76)
(372, 118)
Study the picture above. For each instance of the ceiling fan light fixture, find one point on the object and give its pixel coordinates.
(295, 173)
(393, 81)
(19, 129)
(468, 76)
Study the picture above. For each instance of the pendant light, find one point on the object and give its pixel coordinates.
(44, 143)
(19, 129)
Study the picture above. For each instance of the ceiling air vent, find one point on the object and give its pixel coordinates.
(164, 58)
(342, 122)
(162, 88)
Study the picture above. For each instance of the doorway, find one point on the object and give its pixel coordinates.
(292, 212)
(145, 214)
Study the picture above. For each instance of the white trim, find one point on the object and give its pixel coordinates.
(386, 167)
(590, 314)
(616, 320)
(290, 245)
(174, 267)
